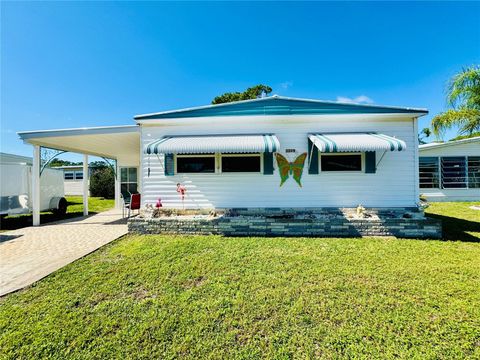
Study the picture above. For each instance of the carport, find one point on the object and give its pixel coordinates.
(120, 143)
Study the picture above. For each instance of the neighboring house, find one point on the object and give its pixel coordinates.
(226, 155)
(450, 171)
(73, 179)
(6, 158)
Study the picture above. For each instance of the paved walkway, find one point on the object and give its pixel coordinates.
(31, 253)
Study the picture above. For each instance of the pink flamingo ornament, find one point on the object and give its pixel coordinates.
(182, 190)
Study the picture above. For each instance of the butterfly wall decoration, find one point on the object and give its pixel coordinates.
(287, 168)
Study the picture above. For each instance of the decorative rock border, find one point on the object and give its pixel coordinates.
(295, 222)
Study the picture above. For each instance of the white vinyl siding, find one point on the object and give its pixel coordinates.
(73, 182)
(393, 184)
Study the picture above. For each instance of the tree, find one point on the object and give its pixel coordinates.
(57, 162)
(251, 93)
(102, 182)
(98, 165)
(464, 98)
(425, 133)
(461, 137)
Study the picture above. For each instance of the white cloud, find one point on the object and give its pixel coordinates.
(362, 99)
(285, 85)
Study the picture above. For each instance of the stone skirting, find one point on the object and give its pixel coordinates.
(405, 223)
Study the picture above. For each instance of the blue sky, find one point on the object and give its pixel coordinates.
(76, 64)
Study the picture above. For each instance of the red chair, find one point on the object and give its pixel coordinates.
(134, 204)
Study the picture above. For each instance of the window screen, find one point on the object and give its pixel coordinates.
(429, 172)
(68, 175)
(78, 175)
(241, 163)
(454, 173)
(196, 164)
(341, 162)
(474, 172)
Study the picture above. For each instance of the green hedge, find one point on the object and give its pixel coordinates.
(102, 183)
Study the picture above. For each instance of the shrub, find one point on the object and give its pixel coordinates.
(102, 183)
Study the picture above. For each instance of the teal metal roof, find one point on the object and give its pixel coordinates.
(279, 105)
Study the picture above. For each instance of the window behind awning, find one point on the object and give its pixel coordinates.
(264, 143)
(355, 142)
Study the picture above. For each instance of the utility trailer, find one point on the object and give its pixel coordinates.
(16, 187)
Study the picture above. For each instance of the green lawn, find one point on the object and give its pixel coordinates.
(459, 221)
(74, 209)
(213, 297)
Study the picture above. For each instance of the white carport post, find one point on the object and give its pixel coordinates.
(85, 184)
(36, 185)
(118, 200)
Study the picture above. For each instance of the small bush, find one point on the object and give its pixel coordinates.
(102, 183)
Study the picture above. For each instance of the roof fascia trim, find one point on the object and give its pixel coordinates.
(449, 143)
(26, 135)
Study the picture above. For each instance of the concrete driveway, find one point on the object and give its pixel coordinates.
(29, 254)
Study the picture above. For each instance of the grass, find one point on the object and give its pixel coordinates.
(74, 209)
(459, 221)
(246, 298)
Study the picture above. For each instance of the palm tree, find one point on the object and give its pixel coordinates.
(464, 98)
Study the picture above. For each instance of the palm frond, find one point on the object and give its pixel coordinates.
(467, 119)
(461, 137)
(464, 88)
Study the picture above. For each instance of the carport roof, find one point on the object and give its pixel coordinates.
(107, 141)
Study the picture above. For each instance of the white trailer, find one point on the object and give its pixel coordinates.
(16, 187)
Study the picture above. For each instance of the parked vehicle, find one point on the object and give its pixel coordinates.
(15, 188)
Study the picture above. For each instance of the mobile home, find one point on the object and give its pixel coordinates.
(273, 152)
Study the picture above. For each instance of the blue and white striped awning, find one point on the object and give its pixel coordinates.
(353, 142)
(214, 144)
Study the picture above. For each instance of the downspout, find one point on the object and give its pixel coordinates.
(416, 161)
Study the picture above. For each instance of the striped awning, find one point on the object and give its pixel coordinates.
(351, 142)
(214, 144)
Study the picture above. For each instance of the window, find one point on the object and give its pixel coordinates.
(429, 172)
(68, 175)
(340, 162)
(241, 163)
(474, 172)
(78, 175)
(128, 182)
(195, 163)
(454, 172)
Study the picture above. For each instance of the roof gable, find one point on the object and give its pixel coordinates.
(278, 105)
